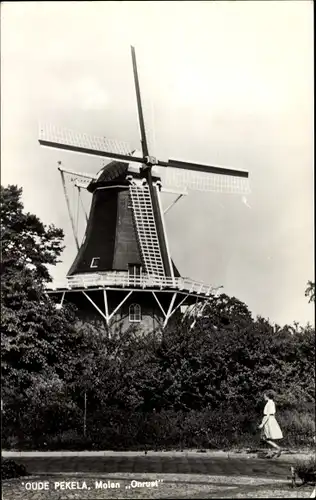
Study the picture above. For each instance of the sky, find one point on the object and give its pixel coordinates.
(223, 83)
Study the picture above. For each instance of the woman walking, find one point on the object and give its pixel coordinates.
(269, 425)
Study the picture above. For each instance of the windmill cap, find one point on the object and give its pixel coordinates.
(117, 171)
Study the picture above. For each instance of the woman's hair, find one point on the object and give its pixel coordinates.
(270, 394)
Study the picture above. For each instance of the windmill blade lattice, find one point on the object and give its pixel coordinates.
(203, 181)
(61, 138)
(146, 229)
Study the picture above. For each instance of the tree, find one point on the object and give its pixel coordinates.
(225, 312)
(49, 360)
(41, 345)
(34, 336)
(26, 243)
(310, 291)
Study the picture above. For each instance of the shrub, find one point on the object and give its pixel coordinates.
(298, 427)
(67, 440)
(306, 470)
(10, 469)
(114, 429)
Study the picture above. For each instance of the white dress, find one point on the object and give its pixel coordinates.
(271, 428)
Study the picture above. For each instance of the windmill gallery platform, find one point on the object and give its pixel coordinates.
(116, 295)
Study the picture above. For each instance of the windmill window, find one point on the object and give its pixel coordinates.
(95, 262)
(134, 269)
(135, 313)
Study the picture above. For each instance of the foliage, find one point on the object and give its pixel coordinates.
(298, 426)
(306, 470)
(38, 341)
(192, 389)
(310, 291)
(223, 311)
(10, 469)
(26, 243)
(117, 429)
(196, 387)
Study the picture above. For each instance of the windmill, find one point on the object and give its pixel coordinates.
(123, 271)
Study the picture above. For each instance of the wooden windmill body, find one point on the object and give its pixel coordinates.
(123, 272)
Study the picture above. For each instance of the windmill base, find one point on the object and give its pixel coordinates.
(119, 310)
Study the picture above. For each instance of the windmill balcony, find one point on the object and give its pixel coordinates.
(121, 279)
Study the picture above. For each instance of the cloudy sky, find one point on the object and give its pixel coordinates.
(227, 83)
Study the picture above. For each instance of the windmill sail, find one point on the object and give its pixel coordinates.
(139, 106)
(70, 140)
(146, 229)
(177, 175)
(203, 181)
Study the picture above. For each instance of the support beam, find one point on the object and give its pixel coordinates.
(196, 305)
(177, 307)
(120, 305)
(187, 313)
(60, 305)
(81, 185)
(97, 308)
(106, 306)
(203, 307)
(193, 324)
(163, 312)
(174, 191)
(195, 315)
(68, 206)
(82, 205)
(173, 203)
(76, 174)
(170, 309)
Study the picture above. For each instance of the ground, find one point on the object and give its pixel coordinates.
(172, 475)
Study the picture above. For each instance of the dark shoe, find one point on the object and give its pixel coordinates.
(276, 454)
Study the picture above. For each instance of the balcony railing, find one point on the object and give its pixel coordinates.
(144, 281)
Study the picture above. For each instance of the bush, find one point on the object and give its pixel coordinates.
(306, 470)
(68, 440)
(113, 429)
(10, 469)
(28, 422)
(298, 427)
(199, 388)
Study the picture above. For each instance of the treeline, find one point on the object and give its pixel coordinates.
(70, 385)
